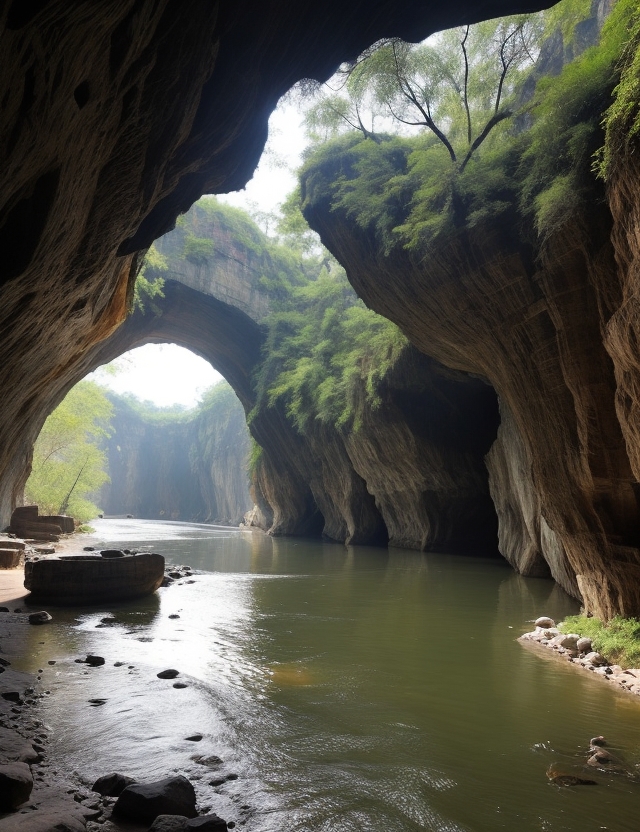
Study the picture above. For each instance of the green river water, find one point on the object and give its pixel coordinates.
(342, 688)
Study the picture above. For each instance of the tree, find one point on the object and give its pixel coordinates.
(459, 85)
(68, 462)
(149, 282)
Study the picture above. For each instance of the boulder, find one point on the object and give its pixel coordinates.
(207, 823)
(41, 617)
(178, 823)
(112, 553)
(94, 661)
(112, 785)
(9, 558)
(13, 747)
(168, 674)
(88, 578)
(596, 659)
(16, 783)
(569, 641)
(145, 801)
(545, 622)
(584, 645)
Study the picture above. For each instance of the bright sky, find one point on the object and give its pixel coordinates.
(165, 373)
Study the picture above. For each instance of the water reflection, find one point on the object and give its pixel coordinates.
(350, 688)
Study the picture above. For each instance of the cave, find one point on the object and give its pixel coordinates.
(118, 117)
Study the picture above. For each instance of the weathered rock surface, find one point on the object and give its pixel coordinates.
(179, 470)
(77, 579)
(112, 785)
(560, 475)
(143, 802)
(16, 783)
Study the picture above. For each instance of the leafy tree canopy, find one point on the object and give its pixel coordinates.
(411, 190)
(69, 465)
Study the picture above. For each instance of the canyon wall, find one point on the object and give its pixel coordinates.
(492, 301)
(168, 467)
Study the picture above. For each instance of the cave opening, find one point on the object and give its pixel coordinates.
(155, 434)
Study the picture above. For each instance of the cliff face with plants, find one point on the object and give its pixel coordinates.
(532, 295)
(179, 466)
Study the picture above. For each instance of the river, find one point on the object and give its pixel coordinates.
(342, 688)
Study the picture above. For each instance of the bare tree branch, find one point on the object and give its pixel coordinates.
(495, 119)
(465, 96)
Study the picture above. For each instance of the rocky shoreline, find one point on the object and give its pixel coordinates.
(579, 651)
(37, 797)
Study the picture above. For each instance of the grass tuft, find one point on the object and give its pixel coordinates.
(618, 640)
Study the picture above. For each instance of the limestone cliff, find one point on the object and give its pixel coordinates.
(492, 302)
(191, 467)
(410, 473)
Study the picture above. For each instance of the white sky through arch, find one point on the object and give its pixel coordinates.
(164, 374)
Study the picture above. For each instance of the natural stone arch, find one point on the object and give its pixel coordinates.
(116, 118)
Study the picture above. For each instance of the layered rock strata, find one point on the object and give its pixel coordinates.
(526, 317)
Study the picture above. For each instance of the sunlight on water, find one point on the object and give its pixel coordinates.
(336, 689)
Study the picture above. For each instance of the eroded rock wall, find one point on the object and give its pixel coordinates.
(493, 302)
(175, 469)
(410, 472)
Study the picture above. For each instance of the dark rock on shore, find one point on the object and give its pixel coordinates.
(112, 785)
(168, 674)
(41, 617)
(16, 784)
(145, 801)
(94, 661)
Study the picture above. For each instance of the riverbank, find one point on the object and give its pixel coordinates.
(58, 799)
(579, 652)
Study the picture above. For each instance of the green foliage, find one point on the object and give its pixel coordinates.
(618, 640)
(255, 455)
(68, 462)
(406, 192)
(197, 250)
(149, 282)
(459, 84)
(622, 119)
(323, 345)
(151, 412)
(555, 174)
(563, 16)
